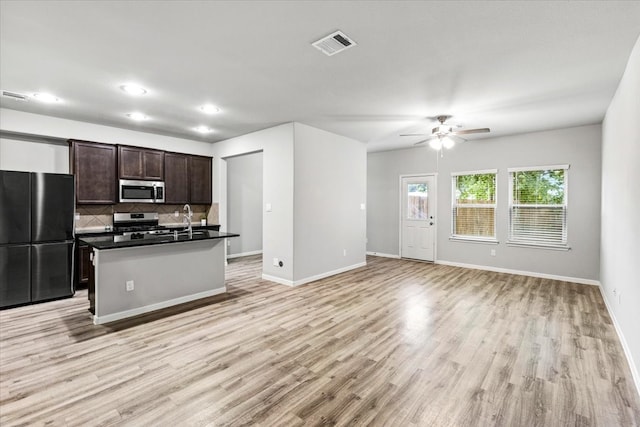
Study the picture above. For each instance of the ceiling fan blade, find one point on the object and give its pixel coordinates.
(468, 131)
(413, 134)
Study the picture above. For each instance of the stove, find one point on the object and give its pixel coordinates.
(139, 225)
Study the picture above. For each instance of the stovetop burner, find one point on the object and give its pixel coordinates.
(135, 222)
(139, 228)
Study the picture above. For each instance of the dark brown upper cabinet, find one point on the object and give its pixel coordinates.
(94, 167)
(176, 178)
(140, 163)
(200, 180)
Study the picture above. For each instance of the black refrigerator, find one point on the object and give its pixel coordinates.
(36, 237)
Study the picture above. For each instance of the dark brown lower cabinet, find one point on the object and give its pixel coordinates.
(83, 264)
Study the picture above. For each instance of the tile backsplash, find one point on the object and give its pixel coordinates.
(101, 216)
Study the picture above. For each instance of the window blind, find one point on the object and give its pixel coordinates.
(474, 205)
(538, 205)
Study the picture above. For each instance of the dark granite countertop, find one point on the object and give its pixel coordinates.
(92, 233)
(111, 242)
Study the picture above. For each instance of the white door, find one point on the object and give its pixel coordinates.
(418, 220)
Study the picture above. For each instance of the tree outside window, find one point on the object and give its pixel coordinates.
(474, 205)
(538, 206)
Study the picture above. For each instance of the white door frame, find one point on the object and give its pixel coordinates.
(435, 207)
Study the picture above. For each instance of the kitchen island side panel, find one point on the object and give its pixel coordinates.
(162, 275)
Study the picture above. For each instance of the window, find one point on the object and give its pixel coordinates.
(538, 206)
(474, 205)
(417, 201)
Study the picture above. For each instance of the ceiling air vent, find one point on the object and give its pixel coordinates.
(14, 95)
(334, 43)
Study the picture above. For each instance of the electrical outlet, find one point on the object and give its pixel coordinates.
(344, 252)
(275, 262)
(77, 216)
(362, 206)
(176, 214)
(228, 242)
(493, 252)
(130, 286)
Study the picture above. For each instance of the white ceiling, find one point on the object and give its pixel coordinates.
(512, 66)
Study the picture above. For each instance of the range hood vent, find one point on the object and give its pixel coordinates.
(14, 95)
(334, 43)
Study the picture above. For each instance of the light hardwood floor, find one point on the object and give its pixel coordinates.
(396, 343)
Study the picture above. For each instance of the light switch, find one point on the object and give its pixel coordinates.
(362, 206)
(268, 207)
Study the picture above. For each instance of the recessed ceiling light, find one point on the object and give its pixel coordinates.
(137, 116)
(209, 109)
(203, 129)
(133, 89)
(46, 97)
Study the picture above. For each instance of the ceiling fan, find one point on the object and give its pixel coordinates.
(445, 135)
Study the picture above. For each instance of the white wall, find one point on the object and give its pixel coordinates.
(330, 185)
(244, 203)
(383, 194)
(620, 249)
(33, 156)
(579, 147)
(276, 144)
(36, 124)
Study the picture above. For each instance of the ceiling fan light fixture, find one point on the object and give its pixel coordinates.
(436, 144)
(448, 143)
(444, 129)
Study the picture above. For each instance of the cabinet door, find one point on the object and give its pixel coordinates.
(200, 180)
(153, 165)
(85, 260)
(130, 163)
(176, 184)
(139, 163)
(94, 166)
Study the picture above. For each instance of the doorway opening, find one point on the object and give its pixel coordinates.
(244, 204)
(418, 217)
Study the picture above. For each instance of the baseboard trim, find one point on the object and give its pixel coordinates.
(99, 320)
(244, 254)
(277, 279)
(380, 254)
(328, 273)
(625, 347)
(521, 272)
(312, 278)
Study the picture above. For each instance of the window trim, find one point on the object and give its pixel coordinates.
(467, 238)
(564, 246)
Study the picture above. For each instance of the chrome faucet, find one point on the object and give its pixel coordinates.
(186, 219)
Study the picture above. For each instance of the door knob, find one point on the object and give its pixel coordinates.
(431, 223)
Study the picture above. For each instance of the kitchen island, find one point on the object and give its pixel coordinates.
(135, 276)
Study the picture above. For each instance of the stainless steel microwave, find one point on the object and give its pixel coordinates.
(141, 191)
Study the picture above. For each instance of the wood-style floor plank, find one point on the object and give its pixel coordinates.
(397, 343)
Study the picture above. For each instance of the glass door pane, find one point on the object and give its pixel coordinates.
(417, 201)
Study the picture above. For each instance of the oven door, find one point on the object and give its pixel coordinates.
(138, 191)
